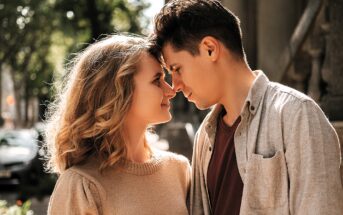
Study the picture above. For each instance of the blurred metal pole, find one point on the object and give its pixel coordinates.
(298, 37)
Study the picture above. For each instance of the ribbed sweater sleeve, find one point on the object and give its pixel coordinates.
(75, 194)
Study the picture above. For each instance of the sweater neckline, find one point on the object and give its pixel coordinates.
(147, 168)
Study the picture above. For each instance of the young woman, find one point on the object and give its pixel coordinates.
(96, 135)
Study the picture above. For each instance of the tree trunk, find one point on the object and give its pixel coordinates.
(93, 14)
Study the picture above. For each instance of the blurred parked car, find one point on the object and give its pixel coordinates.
(19, 157)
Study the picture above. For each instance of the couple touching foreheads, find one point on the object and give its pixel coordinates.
(264, 148)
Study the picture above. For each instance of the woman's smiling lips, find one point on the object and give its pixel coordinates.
(166, 105)
(189, 96)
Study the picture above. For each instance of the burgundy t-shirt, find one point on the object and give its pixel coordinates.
(224, 183)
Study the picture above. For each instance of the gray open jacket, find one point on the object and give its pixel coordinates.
(288, 155)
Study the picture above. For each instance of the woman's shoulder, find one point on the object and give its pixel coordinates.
(77, 190)
(85, 175)
(173, 157)
(177, 165)
(88, 170)
(72, 177)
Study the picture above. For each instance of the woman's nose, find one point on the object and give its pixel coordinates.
(168, 90)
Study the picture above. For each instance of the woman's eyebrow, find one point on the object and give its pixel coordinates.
(158, 74)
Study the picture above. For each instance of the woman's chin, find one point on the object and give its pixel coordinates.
(162, 120)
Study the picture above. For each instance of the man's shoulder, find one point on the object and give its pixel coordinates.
(287, 103)
(280, 91)
(282, 97)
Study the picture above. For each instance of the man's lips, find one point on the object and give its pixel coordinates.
(189, 95)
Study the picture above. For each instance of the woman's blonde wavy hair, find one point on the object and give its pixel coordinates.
(89, 110)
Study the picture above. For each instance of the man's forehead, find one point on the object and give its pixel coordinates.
(169, 57)
(166, 53)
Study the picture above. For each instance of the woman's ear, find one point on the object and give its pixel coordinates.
(210, 47)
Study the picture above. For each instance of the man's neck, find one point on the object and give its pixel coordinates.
(236, 90)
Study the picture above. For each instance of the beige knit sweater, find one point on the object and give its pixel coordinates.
(159, 186)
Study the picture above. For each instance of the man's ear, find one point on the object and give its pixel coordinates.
(210, 47)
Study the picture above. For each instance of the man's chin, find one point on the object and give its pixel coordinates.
(201, 106)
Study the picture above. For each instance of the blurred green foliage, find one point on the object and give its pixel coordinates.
(38, 36)
(18, 209)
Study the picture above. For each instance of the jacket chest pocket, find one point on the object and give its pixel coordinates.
(266, 181)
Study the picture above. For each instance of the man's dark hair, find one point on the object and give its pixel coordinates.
(184, 23)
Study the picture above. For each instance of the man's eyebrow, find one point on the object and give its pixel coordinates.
(172, 67)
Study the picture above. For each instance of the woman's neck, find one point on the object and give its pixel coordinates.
(137, 150)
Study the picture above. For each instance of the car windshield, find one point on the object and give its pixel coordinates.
(17, 138)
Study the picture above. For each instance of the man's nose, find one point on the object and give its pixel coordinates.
(177, 83)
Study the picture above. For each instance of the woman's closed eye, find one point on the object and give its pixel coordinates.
(157, 81)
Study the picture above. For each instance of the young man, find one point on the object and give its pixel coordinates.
(264, 148)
